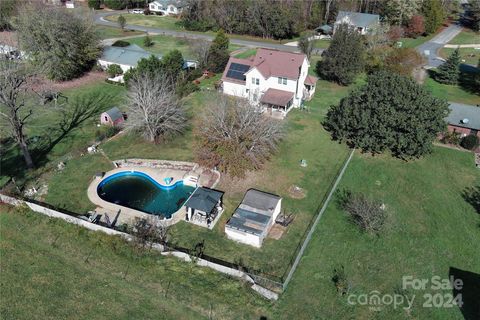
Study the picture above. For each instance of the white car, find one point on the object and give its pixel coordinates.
(137, 11)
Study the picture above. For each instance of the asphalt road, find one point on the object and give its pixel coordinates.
(430, 48)
(99, 19)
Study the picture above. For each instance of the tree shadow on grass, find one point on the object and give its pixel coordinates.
(469, 289)
(467, 79)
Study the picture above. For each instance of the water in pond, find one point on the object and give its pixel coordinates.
(139, 191)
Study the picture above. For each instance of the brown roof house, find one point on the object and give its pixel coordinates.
(276, 80)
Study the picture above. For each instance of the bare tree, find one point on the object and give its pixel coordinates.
(14, 77)
(305, 43)
(236, 137)
(200, 49)
(148, 231)
(154, 109)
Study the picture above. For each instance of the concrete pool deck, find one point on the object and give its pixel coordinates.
(128, 215)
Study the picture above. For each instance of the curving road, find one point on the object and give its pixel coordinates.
(100, 20)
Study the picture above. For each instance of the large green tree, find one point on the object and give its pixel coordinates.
(390, 113)
(434, 15)
(449, 71)
(172, 65)
(344, 59)
(218, 53)
(63, 44)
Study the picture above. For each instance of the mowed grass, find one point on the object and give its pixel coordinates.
(105, 32)
(55, 270)
(247, 53)
(467, 55)
(431, 229)
(467, 36)
(163, 22)
(415, 42)
(451, 92)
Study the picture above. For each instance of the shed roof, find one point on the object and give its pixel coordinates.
(204, 199)
(114, 114)
(129, 55)
(358, 19)
(276, 97)
(311, 80)
(459, 112)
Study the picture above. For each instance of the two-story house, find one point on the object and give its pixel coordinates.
(167, 7)
(364, 23)
(273, 79)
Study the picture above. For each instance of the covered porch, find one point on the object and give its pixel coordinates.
(309, 90)
(204, 207)
(277, 102)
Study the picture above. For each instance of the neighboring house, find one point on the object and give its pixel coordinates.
(69, 4)
(464, 119)
(112, 117)
(167, 7)
(362, 22)
(275, 80)
(129, 56)
(204, 206)
(254, 217)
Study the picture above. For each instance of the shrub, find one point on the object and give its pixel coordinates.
(106, 132)
(451, 138)
(395, 33)
(340, 280)
(185, 88)
(94, 4)
(114, 70)
(121, 43)
(403, 61)
(416, 26)
(122, 22)
(469, 142)
(147, 41)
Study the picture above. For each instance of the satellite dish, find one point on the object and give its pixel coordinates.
(465, 120)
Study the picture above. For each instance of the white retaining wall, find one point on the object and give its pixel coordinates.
(95, 227)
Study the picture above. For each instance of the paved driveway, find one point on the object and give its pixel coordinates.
(430, 48)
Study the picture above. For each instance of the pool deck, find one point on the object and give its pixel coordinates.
(128, 215)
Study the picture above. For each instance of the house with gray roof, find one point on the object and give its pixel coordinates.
(204, 207)
(126, 57)
(254, 217)
(362, 22)
(464, 119)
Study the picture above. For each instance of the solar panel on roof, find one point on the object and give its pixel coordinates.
(237, 71)
(239, 67)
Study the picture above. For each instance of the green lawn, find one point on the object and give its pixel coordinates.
(321, 44)
(467, 55)
(451, 92)
(164, 44)
(466, 37)
(55, 270)
(105, 32)
(247, 53)
(412, 43)
(431, 229)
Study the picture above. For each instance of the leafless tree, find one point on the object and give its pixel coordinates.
(305, 43)
(149, 231)
(14, 109)
(200, 49)
(154, 110)
(236, 137)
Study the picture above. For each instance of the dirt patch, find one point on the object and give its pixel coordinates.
(42, 84)
(241, 185)
(276, 232)
(9, 38)
(296, 192)
(419, 74)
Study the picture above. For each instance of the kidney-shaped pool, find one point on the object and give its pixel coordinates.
(137, 190)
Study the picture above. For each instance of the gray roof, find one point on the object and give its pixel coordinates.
(114, 114)
(459, 112)
(358, 19)
(129, 55)
(204, 199)
(177, 3)
(255, 212)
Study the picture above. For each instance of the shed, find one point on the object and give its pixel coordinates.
(254, 217)
(112, 117)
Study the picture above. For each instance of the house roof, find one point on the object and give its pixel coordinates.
(204, 199)
(358, 19)
(277, 63)
(231, 61)
(460, 112)
(114, 114)
(325, 28)
(311, 80)
(129, 55)
(255, 212)
(166, 3)
(276, 97)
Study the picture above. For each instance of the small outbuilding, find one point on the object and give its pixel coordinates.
(254, 217)
(204, 206)
(112, 117)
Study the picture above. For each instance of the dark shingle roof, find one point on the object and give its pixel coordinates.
(204, 199)
(459, 112)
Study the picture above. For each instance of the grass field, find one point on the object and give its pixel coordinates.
(466, 37)
(321, 44)
(55, 270)
(412, 43)
(431, 229)
(247, 53)
(467, 55)
(105, 32)
(451, 92)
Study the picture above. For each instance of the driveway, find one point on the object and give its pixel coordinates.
(100, 20)
(430, 48)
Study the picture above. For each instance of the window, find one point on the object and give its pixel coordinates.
(255, 81)
(282, 80)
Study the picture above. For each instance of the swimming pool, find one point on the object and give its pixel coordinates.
(137, 190)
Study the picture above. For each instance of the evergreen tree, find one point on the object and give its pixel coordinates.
(434, 15)
(344, 59)
(391, 112)
(449, 71)
(218, 53)
(172, 65)
(147, 41)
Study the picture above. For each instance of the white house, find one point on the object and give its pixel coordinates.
(254, 217)
(362, 22)
(276, 80)
(167, 7)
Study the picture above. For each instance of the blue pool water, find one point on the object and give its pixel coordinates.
(137, 190)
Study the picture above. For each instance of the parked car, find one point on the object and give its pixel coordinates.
(137, 11)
